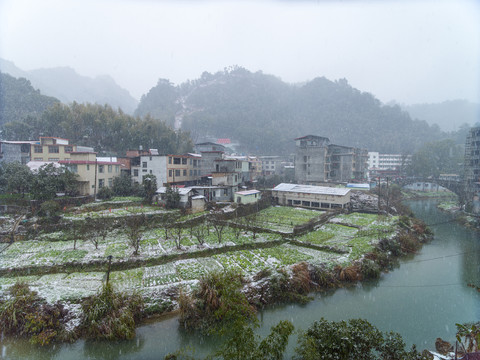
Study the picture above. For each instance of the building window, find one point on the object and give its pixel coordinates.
(214, 193)
(169, 173)
(191, 172)
(38, 149)
(101, 169)
(109, 168)
(194, 172)
(176, 161)
(53, 149)
(184, 161)
(68, 149)
(53, 159)
(151, 172)
(116, 168)
(150, 158)
(110, 182)
(135, 172)
(185, 172)
(169, 160)
(144, 164)
(38, 159)
(73, 168)
(88, 167)
(101, 183)
(177, 172)
(225, 191)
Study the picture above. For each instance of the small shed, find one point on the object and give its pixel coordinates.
(247, 196)
(185, 195)
(198, 203)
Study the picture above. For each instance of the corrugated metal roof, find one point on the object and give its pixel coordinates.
(311, 189)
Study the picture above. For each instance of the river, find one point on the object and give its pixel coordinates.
(422, 299)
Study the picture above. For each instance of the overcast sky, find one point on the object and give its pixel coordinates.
(407, 51)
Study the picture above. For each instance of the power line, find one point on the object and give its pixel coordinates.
(419, 286)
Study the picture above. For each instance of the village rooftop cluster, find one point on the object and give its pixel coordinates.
(213, 173)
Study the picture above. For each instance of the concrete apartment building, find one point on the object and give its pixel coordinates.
(46, 149)
(386, 164)
(168, 169)
(472, 170)
(318, 161)
(209, 152)
(310, 196)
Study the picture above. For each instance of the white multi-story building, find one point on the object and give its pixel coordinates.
(387, 161)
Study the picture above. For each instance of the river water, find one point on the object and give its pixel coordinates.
(422, 299)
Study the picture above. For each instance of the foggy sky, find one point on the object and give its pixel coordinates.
(407, 51)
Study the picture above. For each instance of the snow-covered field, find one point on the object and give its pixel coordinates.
(346, 243)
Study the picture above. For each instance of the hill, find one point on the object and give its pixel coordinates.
(264, 114)
(449, 115)
(19, 100)
(68, 86)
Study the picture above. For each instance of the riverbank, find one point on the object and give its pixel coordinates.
(65, 267)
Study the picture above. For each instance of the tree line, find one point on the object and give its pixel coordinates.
(107, 130)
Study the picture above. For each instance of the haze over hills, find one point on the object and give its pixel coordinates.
(264, 114)
(68, 86)
(449, 115)
(19, 101)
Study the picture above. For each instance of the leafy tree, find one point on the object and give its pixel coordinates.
(172, 197)
(149, 183)
(16, 177)
(352, 339)
(46, 182)
(122, 185)
(435, 158)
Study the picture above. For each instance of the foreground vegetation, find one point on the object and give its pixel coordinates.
(158, 260)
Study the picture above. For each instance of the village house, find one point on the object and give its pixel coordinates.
(310, 196)
(247, 196)
(93, 172)
(168, 169)
(46, 149)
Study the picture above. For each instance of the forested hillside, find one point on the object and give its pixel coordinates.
(101, 127)
(68, 86)
(264, 114)
(20, 101)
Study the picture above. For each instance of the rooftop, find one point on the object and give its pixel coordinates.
(311, 189)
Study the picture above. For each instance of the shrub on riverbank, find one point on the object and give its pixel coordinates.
(217, 301)
(356, 339)
(24, 313)
(111, 315)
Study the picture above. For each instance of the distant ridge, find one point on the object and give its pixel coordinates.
(68, 86)
(264, 114)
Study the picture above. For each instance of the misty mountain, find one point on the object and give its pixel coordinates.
(68, 86)
(264, 114)
(449, 115)
(20, 101)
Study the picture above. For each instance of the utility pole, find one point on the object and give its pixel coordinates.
(388, 196)
(95, 189)
(378, 196)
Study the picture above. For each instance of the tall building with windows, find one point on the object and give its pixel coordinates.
(318, 161)
(472, 170)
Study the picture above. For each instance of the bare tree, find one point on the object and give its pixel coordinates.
(216, 219)
(200, 232)
(78, 231)
(99, 230)
(134, 227)
(178, 234)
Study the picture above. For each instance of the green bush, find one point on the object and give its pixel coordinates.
(111, 315)
(50, 208)
(24, 313)
(356, 339)
(105, 193)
